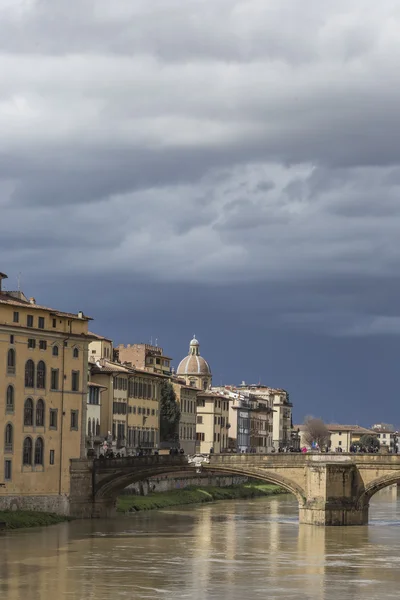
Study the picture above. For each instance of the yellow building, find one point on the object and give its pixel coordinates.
(212, 422)
(43, 366)
(130, 403)
(186, 396)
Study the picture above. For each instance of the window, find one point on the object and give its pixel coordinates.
(51, 460)
(54, 322)
(11, 339)
(41, 322)
(39, 451)
(76, 353)
(89, 428)
(8, 438)
(74, 419)
(41, 375)
(53, 418)
(28, 412)
(55, 350)
(340, 442)
(29, 320)
(199, 420)
(200, 436)
(11, 362)
(153, 412)
(7, 470)
(29, 373)
(42, 345)
(75, 381)
(40, 413)
(10, 399)
(158, 361)
(97, 427)
(16, 317)
(54, 379)
(27, 451)
(31, 343)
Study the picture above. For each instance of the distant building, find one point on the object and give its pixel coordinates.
(387, 435)
(194, 369)
(250, 418)
(130, 406)
(145, 356)
(341, 436)
(212, 429)
(186, 397)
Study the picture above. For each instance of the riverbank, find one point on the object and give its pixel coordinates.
(196, 495)
(18, 519)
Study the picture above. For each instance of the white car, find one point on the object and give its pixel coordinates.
(198, 458)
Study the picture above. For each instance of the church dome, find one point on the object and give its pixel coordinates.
(194, 364)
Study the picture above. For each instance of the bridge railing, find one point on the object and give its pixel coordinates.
(138, 461)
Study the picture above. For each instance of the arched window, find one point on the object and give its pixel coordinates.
(29, 373)
(8, 441)
(76, 353)
(11, 361)
(89, 428)
(41, 375)
(28, 412)
(39, 451)
(98, 427)
(27, 451)
(55, 350)
(40, 413)
(10, 399)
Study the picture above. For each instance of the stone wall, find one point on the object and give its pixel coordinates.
(167, 484)
(58, 504)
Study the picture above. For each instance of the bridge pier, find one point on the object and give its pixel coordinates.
(332, 492)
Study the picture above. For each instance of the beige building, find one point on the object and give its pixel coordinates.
(212, 429)
(341, 437)
(194, 369)
(186, 396)
(250, 419)
(130, 405)
(93, 418)
(145, 356)
(44, 358)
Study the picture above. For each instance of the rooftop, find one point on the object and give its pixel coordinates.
(5, 298)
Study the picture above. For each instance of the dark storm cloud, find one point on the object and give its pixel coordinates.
(231, 143)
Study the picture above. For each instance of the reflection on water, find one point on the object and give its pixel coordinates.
(232, 550)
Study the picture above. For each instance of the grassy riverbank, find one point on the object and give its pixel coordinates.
(28, 518)
(195, 495)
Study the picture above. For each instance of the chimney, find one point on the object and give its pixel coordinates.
(32, 301)
(80, 314)
(2, 276)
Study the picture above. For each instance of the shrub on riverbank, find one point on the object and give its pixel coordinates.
(17, 519)
(194, 495)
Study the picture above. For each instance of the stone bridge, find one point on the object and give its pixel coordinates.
(331, 489)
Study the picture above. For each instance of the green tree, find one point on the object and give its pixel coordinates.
(170, 413)
(368, 440)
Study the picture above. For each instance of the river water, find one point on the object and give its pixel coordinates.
(234, 550)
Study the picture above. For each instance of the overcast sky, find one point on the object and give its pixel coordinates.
(229, 168)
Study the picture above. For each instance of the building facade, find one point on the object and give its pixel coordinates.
(43, 400)
(194, 369)
(186, 396)
(250, 418)
(145, 356)
(130, 406)
(212, 428)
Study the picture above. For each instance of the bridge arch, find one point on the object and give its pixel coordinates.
(110, 485)
(376, 486)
